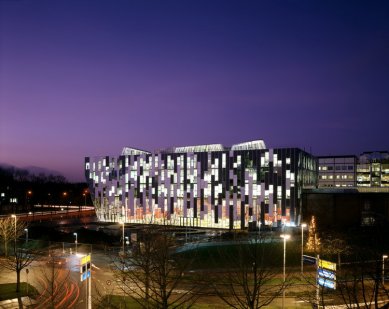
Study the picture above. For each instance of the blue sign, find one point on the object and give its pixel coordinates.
(327, 274)
(309, 259)
(326, 283)
(85, 275)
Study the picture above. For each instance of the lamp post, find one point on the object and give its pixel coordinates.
(383, 268)
(26, 230)
(75, 234)
(285, 237)
(84, 194)
(65, 194)
(28, 195)
(14, 216)
(303, 225)
(123, 240)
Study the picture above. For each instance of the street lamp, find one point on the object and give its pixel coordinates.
(383, 268)
(123, 236)
(14, 216)
(26, 230)
(75, 234)
(285, 237)
(303, 225)
(84, 194)
(65, 194)
(28, 195)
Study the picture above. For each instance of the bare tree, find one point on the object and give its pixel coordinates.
(56, 289)
(359, 284)
(249, 279)
(7, 232)
(18, 259)
(154, 276)
(11, 229)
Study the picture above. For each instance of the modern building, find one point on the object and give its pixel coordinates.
(337, 171)
(369, 170)
(373, 169)
(215, 186)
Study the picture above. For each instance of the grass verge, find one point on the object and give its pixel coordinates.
(8, 291)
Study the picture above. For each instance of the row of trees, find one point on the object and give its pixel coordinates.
(248, 275)
(53, 285)
(157, 273)
(22, 190)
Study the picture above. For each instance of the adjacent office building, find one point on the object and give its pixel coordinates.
(235, 187)
(369, 170)
(337, 171)
(373, 169)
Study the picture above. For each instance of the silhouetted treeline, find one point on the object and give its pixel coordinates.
(21, 190)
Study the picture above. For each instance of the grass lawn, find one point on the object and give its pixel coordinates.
(7, 290)
(220, 257)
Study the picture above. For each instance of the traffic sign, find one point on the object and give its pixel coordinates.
(327, 283)
(309, 259)
(85, 259)
(326, 274)
(327, 265)
(85, 275)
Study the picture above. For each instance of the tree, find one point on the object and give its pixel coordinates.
(360, 282)
(335, 245)
(313, 242)
(57, 290)
(153, 272)
(247, 279)
(18, 259)
(8, 231)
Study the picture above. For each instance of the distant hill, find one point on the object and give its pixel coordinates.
(36, 170)
(32, 170)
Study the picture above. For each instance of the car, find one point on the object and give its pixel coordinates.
(57, 261)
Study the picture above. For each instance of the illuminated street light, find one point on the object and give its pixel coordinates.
(14, 216)
(84, 195)
(28, 195)
(383, 268)
(26, 230)
(303, 225)
(123, 236)
(285, 237)
(65, 194)
(75, 234)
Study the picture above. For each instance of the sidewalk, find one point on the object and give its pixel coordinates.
(13, 303)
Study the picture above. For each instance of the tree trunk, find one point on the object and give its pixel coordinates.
(17, 280)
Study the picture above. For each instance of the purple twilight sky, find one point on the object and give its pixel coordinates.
(82, 78)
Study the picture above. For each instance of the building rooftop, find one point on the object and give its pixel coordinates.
(251, 145)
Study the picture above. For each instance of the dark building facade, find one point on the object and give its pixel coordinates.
(343, 209)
